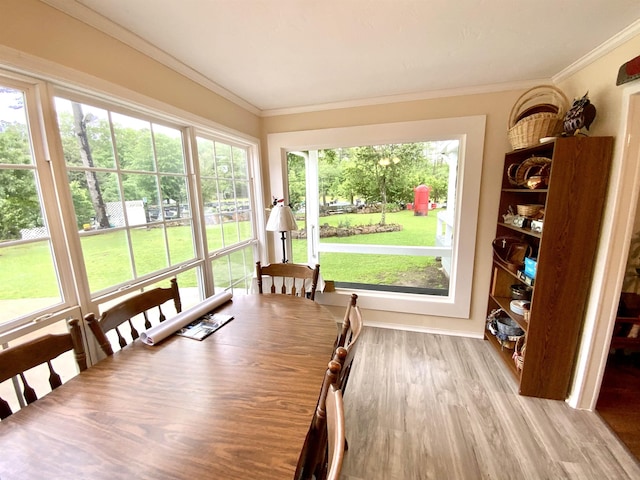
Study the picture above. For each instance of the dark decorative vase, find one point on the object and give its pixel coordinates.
(579, 116)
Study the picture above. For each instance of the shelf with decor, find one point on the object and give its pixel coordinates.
(563, 212)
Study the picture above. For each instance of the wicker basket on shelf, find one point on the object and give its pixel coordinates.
(529, 210)
(518, 352)
(538, 113)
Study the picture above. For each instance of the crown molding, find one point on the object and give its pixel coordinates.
(92, 18)
(598, 52)
(410, 97)
(97, 21)
(27, 67)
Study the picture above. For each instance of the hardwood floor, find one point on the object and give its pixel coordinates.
(422, 406)
(619, 401)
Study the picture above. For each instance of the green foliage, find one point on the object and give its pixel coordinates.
(81, 203)
(19, 203)
(346, 223)
(297, 180)
(139, 152)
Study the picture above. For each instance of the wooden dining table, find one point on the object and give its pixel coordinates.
(236, 405)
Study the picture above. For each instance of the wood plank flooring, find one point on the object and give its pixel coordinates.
(422, 406)
(619, 401)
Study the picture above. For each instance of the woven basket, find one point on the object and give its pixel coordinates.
(538, 113)
(529, 210)
(518, 352)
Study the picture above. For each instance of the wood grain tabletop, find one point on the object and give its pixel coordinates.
(236, 405)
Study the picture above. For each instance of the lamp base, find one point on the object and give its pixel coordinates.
(284, 247)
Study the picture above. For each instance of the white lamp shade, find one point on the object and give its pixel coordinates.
(281, 219)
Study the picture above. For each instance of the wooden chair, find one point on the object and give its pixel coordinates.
(123, 312)
(293, 279)
(347, 340)
(314, 452)
(336, 440)
(15, 361)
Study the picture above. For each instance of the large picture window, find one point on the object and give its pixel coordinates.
(356, 183)
(384, 215)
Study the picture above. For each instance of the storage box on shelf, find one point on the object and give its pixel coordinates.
(564, 252)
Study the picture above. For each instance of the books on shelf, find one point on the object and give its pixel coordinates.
(525, 278)
(204, 326)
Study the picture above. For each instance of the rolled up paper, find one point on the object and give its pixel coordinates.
(159, 332)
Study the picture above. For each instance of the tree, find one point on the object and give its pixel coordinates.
(19, 203)
(93, 186)
(329, 173)
(382, 173)
(297, 184)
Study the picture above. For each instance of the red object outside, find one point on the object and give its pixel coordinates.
(421, 200)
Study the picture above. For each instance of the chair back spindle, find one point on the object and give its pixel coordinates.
(289, 278)
(123, 313)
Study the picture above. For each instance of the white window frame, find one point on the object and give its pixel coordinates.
(254, 180)
(470, 131)
(35, 94)
(49, 80)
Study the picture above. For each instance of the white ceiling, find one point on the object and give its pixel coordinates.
(286, 54)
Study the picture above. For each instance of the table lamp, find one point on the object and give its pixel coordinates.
(281, 219)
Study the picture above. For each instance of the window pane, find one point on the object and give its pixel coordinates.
(214, 229)
(149, 250)
(223, 161)
(419, 274)
(133, 141)
(240, 163)
(169, 150)
(241, 269)
(205, 156)
(107, 259)
(83, 125)
(96, 199)
(234, 271)
(174, 194)
(188, 285)
(141, 198)
(297, 177)
(181, 246)
(27, 269)
(225, 194)
(28, 278)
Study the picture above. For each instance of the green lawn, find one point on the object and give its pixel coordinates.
(26, 270)
(376, 269)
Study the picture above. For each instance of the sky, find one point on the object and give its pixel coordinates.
(7, 101)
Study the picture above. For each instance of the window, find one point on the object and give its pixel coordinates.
(128, 182)
(225, 182)
(381, 155)
(381, 208)
(31, 260)
(110, 202)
